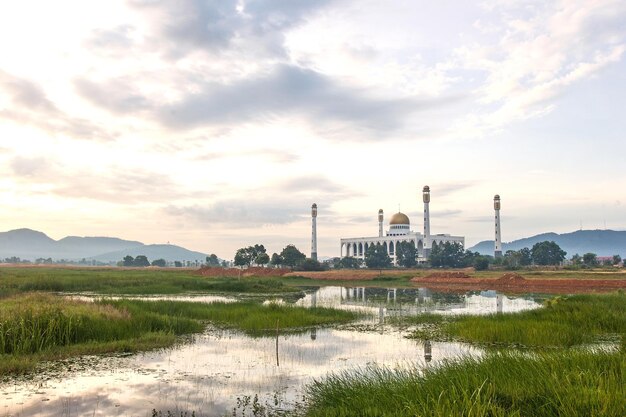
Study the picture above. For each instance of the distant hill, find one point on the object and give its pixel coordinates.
(31, 244)
(600, 242)
(152, 252)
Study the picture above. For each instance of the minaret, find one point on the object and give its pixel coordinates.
(426, 197)
(314, 232)
(498, 246)
(380, 223)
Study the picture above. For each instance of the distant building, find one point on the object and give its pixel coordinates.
(399, 231)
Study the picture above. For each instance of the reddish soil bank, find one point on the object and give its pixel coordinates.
(352, 274)
(255, 271)
(515, 283)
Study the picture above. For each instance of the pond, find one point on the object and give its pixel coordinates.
(208, 372)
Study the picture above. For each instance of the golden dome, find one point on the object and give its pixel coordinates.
(399, 218)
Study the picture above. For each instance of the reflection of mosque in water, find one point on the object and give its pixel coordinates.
(411, 301)
(380, 303)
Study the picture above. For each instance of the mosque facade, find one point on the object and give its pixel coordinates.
(400, 231)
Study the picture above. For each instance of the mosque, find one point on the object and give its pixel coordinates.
(399, 231)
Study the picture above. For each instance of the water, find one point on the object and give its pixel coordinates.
(209, 372)
(411, 301)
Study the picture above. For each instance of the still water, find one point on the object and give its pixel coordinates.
(210, 371)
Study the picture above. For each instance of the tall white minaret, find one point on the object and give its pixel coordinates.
(426, 197)
(314, 232)
(380, 223)
(498, 242)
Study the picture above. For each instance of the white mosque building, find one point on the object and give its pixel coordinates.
(399, 231)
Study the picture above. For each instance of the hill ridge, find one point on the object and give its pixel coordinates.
(30, 244)
(602, 242)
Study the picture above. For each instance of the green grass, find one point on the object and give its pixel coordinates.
(557, 384)
(122, 281)
(250, 317)
(40, 326)
(563, 322)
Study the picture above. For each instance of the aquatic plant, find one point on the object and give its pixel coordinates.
(565, 384)
(563, 322)
(45, 326)
(124, 281)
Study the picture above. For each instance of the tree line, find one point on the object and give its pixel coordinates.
(453, 255)
(290, 257)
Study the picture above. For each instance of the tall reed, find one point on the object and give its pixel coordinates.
(556, 384)
(563, 322)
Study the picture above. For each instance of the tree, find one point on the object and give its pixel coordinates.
(481, 263)
(291, 256)
(514, 259)
(276, 260)
(547, 253)
(262, 259)
(246, 256)
(577, 259)
(310, 265)
(128, 261)
(212, 260)
(406, 254)
(159, 262)
(141, 260)
(590, 259)
(350, 262)
(525, 257)
(617, 259)
(242, 257)
(376, 257)
(178, 264)
(447, 255)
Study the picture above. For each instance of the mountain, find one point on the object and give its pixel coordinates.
(86, 247)
(32, 244)
(152, 252)
(600, 242)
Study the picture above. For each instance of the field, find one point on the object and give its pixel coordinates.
(554, 384)
(568, 358)
(129, 281)
(546, 378)
(36, 324)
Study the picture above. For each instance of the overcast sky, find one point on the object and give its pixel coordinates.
(215, 124)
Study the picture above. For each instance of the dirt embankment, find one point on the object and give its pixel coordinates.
(353, 274)
(254, 271)
(513, 282)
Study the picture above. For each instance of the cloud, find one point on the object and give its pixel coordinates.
(312, 185)
(277, 156)
(118, 186)
(441, 190)
(283, 203)
(542, 49)
(214, 26)
(118, 95)
(114, 185)
(435, 214)
(243, 213)
(118, 39)
(29, 105)
(28, 167)
(294, 91)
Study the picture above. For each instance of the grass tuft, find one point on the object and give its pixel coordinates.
(564, 384)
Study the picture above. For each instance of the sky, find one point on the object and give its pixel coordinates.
(215, 124)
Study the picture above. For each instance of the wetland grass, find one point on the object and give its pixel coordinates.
(250, 317)
(136, 281)
(39, 326)
(555, 384)
(563, 322)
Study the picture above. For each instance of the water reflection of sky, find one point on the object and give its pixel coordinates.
(209, 373)
(415, 301)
